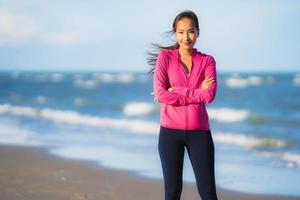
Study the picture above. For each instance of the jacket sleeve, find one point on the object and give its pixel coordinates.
(201, 95)
(160, 83)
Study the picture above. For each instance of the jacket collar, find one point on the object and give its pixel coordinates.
(177, 55)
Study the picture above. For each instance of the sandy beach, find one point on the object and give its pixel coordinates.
(31, 173)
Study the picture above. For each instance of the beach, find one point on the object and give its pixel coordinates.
(32, 173)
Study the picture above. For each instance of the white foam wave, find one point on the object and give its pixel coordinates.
(227, 115)
(110, 78)
(19, 111)
(73, 117)
(121, 77)
(296, 80)
(86, 84)
(137, 109)
(57, 77)
(254, 80)
(44, 77)
(109, 156)
(106, 78)
(16, 136)
(237, 82)
(248, 141)
(125, 77)
(291, 158)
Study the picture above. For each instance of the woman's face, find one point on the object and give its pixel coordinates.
(186, 34)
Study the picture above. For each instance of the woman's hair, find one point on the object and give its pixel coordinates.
(152, 56)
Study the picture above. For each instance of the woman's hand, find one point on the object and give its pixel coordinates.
(207, 82)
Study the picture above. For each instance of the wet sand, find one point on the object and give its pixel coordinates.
(31, 173)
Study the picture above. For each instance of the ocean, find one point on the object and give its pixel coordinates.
(110, 118)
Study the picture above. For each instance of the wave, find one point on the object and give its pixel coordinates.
(57, 77)
(292, 159)
(73, 117)
(40, 77)
(16, 136)
(236, 82)
(93, 82)
(85, 84)
(139, 108)
(109, 156)
(111, 78)
(227, 115)
(136, 126)
(104, 77)
(19, 136)
(125, 77)
(249, 142)
(296, 80)
(53, 77)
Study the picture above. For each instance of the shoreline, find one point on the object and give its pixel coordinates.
(28, 172)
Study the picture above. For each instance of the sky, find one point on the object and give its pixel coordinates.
(98, 35)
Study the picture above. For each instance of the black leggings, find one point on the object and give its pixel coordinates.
(200, 149)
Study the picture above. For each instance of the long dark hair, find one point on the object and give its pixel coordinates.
(152, 56)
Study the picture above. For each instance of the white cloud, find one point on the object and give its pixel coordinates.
(15, 28)
(61, 39)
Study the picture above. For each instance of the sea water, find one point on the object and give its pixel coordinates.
(110, 118)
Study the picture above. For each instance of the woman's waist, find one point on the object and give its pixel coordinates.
(185, 117)
(197, 111)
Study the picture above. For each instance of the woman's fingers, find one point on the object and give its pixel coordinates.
(207, 82)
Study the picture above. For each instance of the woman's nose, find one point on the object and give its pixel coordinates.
(186, 36)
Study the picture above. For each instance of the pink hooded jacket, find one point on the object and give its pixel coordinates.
(184, 107)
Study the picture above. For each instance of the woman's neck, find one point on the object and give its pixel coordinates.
(185, 52)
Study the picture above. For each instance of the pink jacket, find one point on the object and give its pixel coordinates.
(184, 107)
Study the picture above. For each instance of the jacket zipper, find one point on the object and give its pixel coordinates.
(187, 75)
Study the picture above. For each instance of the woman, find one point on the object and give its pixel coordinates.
(184, 81)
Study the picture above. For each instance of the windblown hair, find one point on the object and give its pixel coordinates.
(152, 56)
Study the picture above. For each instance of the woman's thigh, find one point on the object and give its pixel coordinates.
(171, 151)
(200, 148)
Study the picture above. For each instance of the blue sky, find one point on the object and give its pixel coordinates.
(115, 35)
